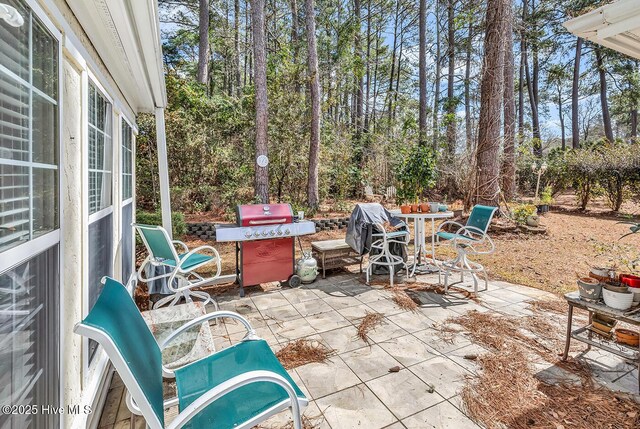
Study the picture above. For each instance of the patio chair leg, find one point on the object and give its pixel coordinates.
(391, 274)
(446, 281)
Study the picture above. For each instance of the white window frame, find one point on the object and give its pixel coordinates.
(35, 246)
(109, 209)
(99, 361)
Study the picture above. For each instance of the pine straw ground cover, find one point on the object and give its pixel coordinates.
(302, 352)
(368, 323)
(507, 392)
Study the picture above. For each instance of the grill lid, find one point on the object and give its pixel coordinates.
(263, 214)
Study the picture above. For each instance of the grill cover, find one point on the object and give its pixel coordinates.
(362, 225)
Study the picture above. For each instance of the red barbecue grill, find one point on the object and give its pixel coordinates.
(265, 246)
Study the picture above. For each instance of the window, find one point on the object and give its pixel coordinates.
(29, 145)
(127, 161)
(127, 201)
(29, 211)
(29, 335)
(100, 196)
(100, 151)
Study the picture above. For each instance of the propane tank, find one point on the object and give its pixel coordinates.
(307, 268)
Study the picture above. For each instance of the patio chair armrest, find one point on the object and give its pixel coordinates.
(143, 266)
(473, 232)
(449, 222)
(251, 333)
(216, 257)
(235, 383)
(181, 244)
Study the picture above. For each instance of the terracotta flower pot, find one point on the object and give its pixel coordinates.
(405, 209)
(414, 208)
(627, 337)
(424, 207)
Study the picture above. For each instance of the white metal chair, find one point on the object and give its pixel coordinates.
(381, 242)
(181, 267)
(469, 239)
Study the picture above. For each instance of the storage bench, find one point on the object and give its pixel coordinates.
(334, 254)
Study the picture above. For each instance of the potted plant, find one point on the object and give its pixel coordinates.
(416, 173)
(524, 214)
(546, 199)
(403, 199)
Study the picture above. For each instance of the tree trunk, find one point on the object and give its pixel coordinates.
(560, 107)
(399, 70)
(359, 95)
(451, 103)
(203, 45)
(467, 89)
(509, 110)
(236, 44)
(575, 89)
(313, 198)
(487, 157)
(523, 47)
(374, 104)
(392, 75)
(606, 117)
(422, 73)
(261, 187)
(368, 69)
(436, 92)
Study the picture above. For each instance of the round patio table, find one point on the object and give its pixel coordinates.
(419, 237)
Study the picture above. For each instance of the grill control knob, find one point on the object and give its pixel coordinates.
(286, 232)
(272, 233)
(247, 234)
(264, 233)
(279, 232)
(256, 234)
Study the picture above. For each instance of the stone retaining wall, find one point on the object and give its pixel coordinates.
(207, 230)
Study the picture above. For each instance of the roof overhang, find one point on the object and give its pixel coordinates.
(616, 26)
(126, 35)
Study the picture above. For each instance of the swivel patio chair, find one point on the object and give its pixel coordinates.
(381, 242)
(178, 269)
(469, 239)
(237, 387)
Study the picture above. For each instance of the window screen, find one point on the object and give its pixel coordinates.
(29, 339)
(29, 145)
(100, 151)
(127, 161)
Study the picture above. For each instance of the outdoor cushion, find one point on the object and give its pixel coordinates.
(451, 236)
(192, 261)
(241, 404)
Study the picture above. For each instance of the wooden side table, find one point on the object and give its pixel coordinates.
(334, 254)
(585, 335)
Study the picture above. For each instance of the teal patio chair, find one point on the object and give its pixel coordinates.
(469, 239)
(173, 266)
(237, 387)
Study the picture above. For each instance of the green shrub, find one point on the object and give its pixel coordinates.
(522, 211)
(546, 196)
(155, 218)
(417, 173)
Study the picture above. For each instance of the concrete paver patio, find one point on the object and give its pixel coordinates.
(355, 389)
